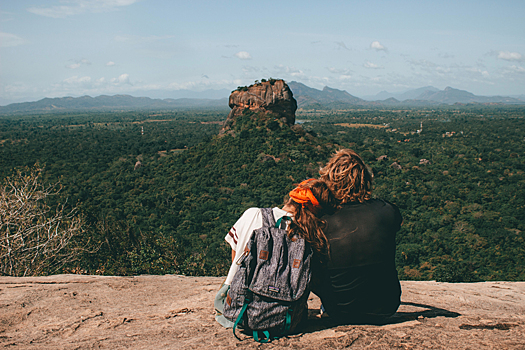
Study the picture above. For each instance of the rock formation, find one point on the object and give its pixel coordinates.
(176, 312)
(269, 98)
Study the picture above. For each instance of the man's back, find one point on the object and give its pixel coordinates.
(361, 283)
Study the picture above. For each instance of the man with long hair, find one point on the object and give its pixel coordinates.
(359, 283)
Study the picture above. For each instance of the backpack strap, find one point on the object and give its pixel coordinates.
(247, 300)
(278, 224)
(288, 322)
(269, 219)
(266, 338)
(267, 216)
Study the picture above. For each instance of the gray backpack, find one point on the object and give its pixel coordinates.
(269, 291)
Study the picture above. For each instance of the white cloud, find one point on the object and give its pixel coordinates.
(75, 80)
(78, 64)
(76, 7)
(243, 55)
(122, 79)
(110, 64)
(422, 63)
(443, 70)
(511, 56)
(10, 40)
(484, 73)
(377, 46)
(250, 69)
(87, 85)
(339, 71)
(17, 88)
(282, 70)
(517, 69)
(371, 65)
(197, 85)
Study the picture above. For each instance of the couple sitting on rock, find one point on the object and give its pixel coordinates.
(352, 237)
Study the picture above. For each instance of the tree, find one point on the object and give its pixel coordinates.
(34, 237)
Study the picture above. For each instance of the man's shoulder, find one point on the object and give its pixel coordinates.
(370, 210)
(382, 202)
(373, 203)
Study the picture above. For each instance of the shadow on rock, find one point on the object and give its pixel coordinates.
(427, 312)
(409, 312)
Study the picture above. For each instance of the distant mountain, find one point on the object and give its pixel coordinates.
(407, 95)
(307, 96)
(178, 94)
(390, 102)
(450, 96)
(104, 102)
(416, 93)
(383, 95)
(430, 95)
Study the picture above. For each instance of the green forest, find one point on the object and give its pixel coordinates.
(157, 192)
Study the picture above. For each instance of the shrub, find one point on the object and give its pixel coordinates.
(34, 238)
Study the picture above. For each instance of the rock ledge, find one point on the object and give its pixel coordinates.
(176, 312)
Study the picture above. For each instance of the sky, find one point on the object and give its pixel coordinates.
(161, 48)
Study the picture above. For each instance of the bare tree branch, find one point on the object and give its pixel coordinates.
(34, 239)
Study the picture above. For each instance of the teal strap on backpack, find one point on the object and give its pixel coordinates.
(266, 334)
(286, 329)
(288, 323)
(239, 318)
(278, 223)
(263, 340)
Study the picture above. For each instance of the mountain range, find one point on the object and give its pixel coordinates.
(307, 97)
(105, 102)
(328, 97)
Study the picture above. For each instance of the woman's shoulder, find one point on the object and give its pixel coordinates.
(250, 214)
(278, 212)
(251, 211)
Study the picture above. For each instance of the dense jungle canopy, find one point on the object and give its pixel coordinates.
(157, 192)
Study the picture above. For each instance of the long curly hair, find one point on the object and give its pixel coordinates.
(307, 221)
(348, 177)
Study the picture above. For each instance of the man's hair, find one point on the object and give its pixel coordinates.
(348, 177)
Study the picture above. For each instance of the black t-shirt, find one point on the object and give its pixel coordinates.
(360, 278)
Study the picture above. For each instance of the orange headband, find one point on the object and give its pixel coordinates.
(304, 196)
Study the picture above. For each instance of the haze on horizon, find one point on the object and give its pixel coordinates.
(159, 48)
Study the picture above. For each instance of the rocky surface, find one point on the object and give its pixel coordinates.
(176, 312)
(271, 97)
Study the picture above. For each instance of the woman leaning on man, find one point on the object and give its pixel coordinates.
(308, 202)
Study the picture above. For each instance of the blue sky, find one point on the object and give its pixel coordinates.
(156, 48)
